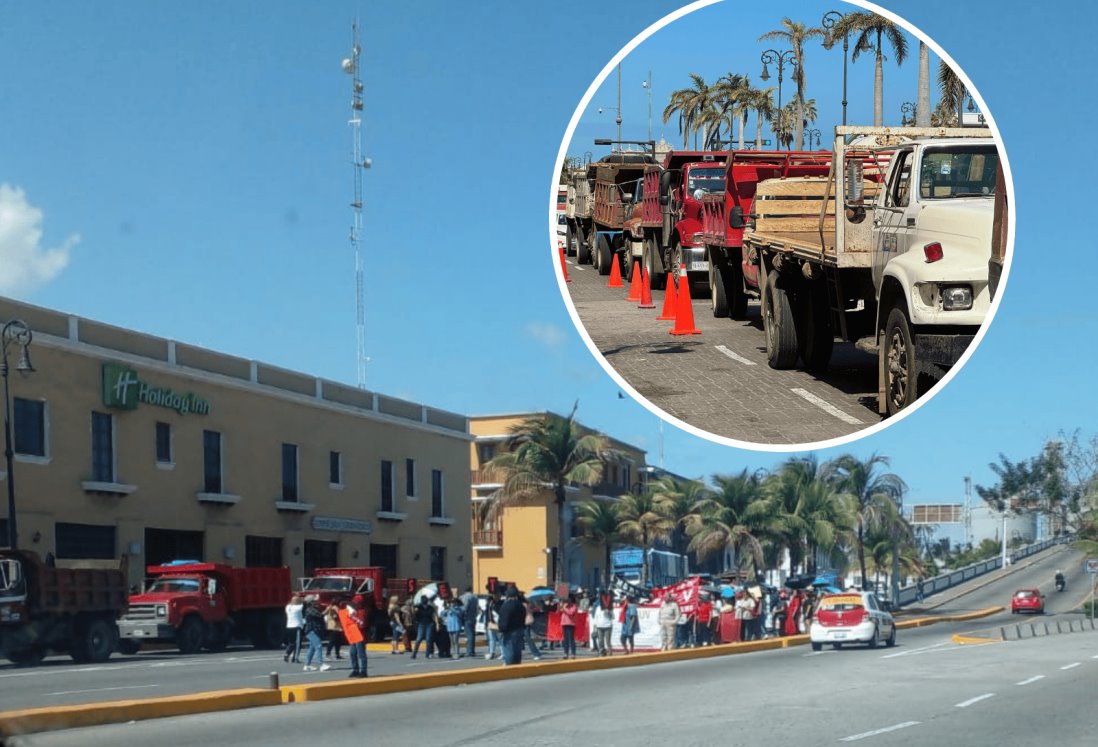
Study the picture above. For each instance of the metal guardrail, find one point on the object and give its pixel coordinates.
(909, 594)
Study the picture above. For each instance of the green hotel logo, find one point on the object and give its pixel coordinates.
(123, 390)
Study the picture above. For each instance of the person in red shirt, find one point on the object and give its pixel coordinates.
(353, 619)
(569, 611)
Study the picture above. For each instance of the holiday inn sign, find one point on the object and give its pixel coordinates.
(122, 389)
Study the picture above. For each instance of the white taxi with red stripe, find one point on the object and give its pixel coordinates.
(851, 617)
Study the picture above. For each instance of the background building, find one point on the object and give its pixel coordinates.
(131, 444)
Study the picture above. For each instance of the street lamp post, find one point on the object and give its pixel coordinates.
(18, 333)
(647, 84)
(810, 134)
(829, 19)
(774, 57)
(907, 113)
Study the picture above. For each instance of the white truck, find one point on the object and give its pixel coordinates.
(900, 270)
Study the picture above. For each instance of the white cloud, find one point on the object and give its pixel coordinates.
(24, 264)
(549, 335)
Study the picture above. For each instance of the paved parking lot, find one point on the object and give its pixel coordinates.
(719, 381)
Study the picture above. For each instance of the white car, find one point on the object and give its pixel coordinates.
(851, 617)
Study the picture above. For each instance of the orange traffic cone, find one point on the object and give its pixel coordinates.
(564, 265)
(668, 313)
(684, 314)
(646, 292)
(635, 283)
(615, 275)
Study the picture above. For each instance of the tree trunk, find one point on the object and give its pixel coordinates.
(743, 124)
(922, 105)
(861, 553)
(758, 129)
(562, 544)
(798, 126)
(878, 88)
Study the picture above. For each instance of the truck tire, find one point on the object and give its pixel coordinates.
(779, 325)
(569, 241)
(189, 636)
(128, 646)
(94, 640)
(898, 347)
(735, 293)
(718, 289)
(268, 628)
(217, 637)
(583, 248)
(816, 338)
(603, 256)
(658, 278)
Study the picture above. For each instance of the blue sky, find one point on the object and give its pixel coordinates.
(183, 170)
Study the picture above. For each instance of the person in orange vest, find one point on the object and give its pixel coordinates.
(353, 619)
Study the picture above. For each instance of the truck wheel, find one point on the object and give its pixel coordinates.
(628, 265)
(658, 279)
(190, 635)
(718, 290)
(583, 248)
(779, 324)
(128, 646)
(899, 349)
(816, 338)
(95, 641)
(27, 657)
(734, 292)
(603, 256)
(569, 241)
(217, 637)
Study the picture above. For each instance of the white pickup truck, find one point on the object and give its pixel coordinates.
(901, 269)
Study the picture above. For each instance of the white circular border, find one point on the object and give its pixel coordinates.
(750, 445)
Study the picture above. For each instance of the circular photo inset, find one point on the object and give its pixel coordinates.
(788, 239)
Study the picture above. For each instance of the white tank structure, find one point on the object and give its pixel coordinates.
(988, 524)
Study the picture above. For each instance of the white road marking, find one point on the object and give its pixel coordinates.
(1071, 666)
(1031, 679)
(827, 407)
(923, 650)
(977, 699)
(102, 689)
(733, 356)
(875, 732)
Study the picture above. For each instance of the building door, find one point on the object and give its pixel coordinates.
(262, 552)
(320, 554)
(166, 545)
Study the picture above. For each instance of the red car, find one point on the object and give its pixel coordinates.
(1028, 600)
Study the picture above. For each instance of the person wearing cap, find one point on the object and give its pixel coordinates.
(512, 625)
(779, 613)
(353, 619)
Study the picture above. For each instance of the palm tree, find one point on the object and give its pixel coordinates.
(677, 500)
(922, 101)
(871, 32)
(692, 105)
(762, 101)
(599, 521)
(730, 93)
(728, 517)
(640, 522)
(796, 34)
(870, 493)
(953, 94)
(547, 452)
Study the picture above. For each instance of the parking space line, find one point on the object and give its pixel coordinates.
(977, 699)
(1031, 679)
(103, 689)
(875, 732)
(733, 356)
(826, 406)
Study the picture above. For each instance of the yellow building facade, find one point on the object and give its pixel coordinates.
(127, 443)
(521, 545)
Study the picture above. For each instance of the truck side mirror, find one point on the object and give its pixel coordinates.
(211, 586)
(735, 217)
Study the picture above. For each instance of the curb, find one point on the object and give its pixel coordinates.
(971, 639)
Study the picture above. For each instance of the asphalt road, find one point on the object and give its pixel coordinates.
(927, 690)
(719, 381)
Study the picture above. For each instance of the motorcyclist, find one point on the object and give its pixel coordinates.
(1059, 581)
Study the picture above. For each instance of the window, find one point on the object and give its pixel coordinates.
(436, 493)
(163, 443)
(102, 447)
(626, 476)
(335, 468)
(387, 485)
(30, 427)
(485, 452)
(410, 477)
(384, 556)
(289, 473)
(84, 541)
(262, 552)
(438, 563)
(901, 184)
(211, 461)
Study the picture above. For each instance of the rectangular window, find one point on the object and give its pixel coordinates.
(626, 475)
(387, 485)
(384, 556)
(211, 461)
(289, 473)
(485, 452)
(30, 427)
(438, 563)
(84, 541)
(436, 493)
(102, 447)
(410, 478)
(335, 468)
(163, 443)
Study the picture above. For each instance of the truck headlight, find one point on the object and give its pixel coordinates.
(956, 297)
(161, 610)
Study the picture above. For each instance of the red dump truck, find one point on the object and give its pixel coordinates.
(206, 605)
(733, 277)
(339, 585)
(44, 608)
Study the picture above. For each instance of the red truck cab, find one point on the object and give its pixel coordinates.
(340, 585)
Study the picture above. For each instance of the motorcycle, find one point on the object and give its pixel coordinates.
(1060, 584)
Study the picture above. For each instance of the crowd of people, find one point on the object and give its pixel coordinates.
(326, 631)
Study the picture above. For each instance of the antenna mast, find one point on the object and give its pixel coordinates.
(358, 164)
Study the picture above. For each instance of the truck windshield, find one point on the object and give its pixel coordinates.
(11, 577)
(959, 172)
(328, 583)
(175, 585)
(707, 180)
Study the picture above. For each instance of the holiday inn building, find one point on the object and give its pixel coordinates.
(131, 444)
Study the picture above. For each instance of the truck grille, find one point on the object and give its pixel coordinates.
(141, 612)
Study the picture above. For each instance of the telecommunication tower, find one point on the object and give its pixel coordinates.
(358, 164)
